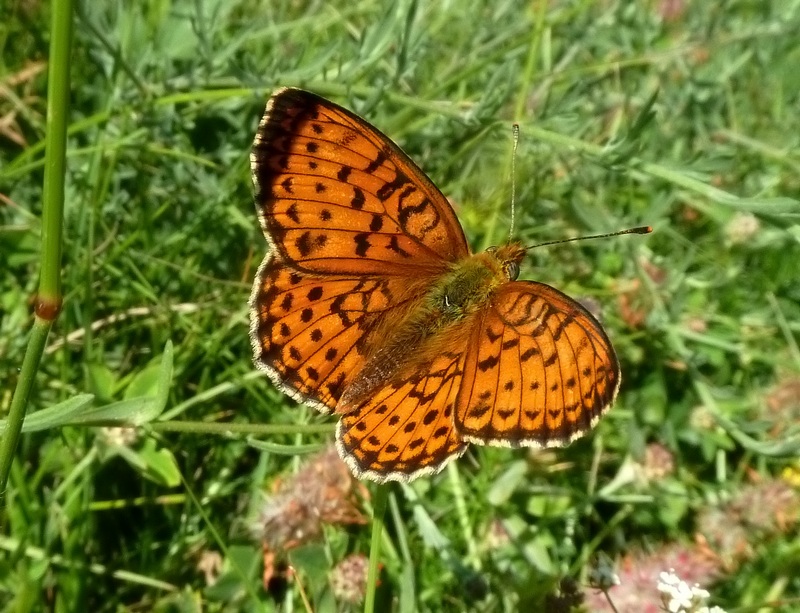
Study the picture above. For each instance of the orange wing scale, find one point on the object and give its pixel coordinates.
(539, 371)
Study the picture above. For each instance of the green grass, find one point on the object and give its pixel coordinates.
(690, 124)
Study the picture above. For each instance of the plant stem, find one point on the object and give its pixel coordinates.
(48, 300)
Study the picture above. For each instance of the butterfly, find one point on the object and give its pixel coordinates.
(370, 305)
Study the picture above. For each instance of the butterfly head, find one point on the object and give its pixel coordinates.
(508, 257)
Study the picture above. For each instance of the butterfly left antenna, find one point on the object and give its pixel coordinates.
(515, 136)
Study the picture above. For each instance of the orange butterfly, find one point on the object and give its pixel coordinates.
(370, 305)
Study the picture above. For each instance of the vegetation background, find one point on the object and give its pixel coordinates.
(680, 114)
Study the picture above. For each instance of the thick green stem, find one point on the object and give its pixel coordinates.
(48, 300)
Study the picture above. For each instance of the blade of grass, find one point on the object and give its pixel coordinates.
(62, 562)
(378, 512)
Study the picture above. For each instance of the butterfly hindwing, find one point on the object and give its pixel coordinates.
(540, 370)
(405, 429)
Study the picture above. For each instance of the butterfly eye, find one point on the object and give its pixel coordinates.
(512, 271)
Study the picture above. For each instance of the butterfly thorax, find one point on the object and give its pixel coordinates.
(443, 313)
(472, 282)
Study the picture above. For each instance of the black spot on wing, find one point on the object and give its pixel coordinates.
(489, 362)
(344, 173)
(375, 163)
(358, 200)
(362, 243)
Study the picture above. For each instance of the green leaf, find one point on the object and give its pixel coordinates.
(430, 533)
(142, 405)
(55, 416)
(240, 565)
(549, 505)
(185, 601)
(133, 412)
(159, 465)
(154, 380)
(101, 381)
(508, 483)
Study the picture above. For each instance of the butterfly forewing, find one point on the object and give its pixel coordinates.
(335, 196)
(539, 370)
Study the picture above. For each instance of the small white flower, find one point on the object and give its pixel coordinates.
(741, 228)
(667, 580)
(678, 597)
(119, 436)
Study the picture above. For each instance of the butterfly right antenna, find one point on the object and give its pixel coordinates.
(637, 230)
(515, 136)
